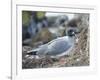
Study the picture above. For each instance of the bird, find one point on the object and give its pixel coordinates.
(57, 47)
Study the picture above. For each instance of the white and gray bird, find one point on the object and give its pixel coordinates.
(57, 47)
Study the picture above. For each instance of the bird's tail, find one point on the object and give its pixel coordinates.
(33, 52)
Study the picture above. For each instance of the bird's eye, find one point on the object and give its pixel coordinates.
(71, 32)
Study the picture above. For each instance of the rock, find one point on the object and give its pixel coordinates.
(43, 36)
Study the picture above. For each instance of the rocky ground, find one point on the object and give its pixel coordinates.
(79, 56)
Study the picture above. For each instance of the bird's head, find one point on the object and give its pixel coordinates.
(72, 32)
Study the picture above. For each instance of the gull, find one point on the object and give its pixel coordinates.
(57, 47)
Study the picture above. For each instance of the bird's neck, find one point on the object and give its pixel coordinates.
(70, 37)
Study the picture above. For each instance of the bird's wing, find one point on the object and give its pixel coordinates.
(58, 46)
(58, 39)
(42, 49)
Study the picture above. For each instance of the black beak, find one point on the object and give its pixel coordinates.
(77, 32)
(32, 53)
